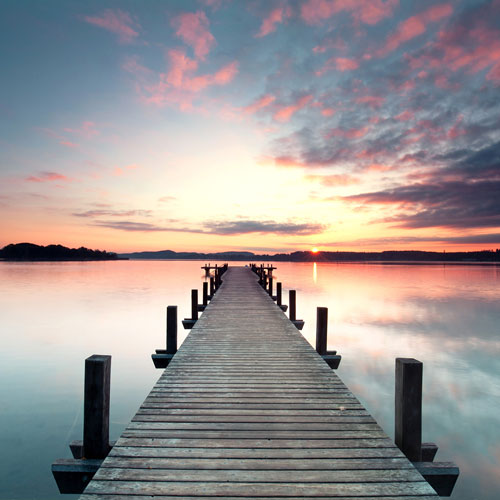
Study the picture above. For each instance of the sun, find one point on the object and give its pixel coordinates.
(314, 250)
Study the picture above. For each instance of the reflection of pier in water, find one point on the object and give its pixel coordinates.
(247, 408)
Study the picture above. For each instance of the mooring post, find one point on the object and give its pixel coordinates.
(270, 289)
(162, 357)
(330, 357)
(212, 287)
(408, 408)
(291, 304)
(321, 329)
(278, 293)
(96, 406)
(194, 304)
(205, 293)
(171, 329)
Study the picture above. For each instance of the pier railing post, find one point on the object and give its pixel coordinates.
(194, 304)
(270, 288)
(278, 293)
(171, 329)
(205, 293)
(408, 408)
(96, 406)
(292, 304)
(321, 329)
(212, 287)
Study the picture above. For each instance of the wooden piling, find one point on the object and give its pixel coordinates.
(408, 408)
(321, 329)
(205, 293)
(270, 286)
(278, 293)
(212, 287)
(194, 304)
(96, 406)
(291, 305)
(171, 329)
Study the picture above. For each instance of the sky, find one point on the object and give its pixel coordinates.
(269, 126)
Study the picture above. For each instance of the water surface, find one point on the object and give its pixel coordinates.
(54, 315)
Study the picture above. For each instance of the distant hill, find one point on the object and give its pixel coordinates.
(31, 252)
(171, 255)
(387, 256)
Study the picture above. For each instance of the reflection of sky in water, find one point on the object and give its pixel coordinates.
(52, 316)
(448, 317)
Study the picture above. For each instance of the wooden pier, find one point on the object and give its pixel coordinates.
(248, 409)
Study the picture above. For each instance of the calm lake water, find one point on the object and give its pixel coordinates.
(54, 315)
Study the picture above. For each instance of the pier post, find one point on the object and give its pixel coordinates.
(212, 287)
(278, 293)
(270, 289)
(171, 329)
(321, 329)
(330, 357)
(162, 357)
(408, 408)
(205, 293)
(291, 304)
(194, 304)
(96, 406)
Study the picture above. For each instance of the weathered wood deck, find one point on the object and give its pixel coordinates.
(247, 408)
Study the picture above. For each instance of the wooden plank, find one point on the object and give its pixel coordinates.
(247, 409)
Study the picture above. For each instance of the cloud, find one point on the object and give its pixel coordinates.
(87, 130)
(447, 204)
(278, 15)
(363, 11)
(415, 26)
(113, 213)
(118, 22)
(252, 226)
(333, 180)
(261, 102)
(167, 199)
(192, 28)
(221, 228)
(180, 86)
(339, 63)
(284, 114)
(48, 177)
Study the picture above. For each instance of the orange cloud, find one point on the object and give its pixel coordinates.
(118, 22)
(353, 133)
(193, 29)
(333, 179)
(276, 16)
(415, 26)
(284, 114)
(339, 63)
(87, 130)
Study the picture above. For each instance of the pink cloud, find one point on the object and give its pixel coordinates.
(118, 22)
(87, 130)
(47, 177)
(276, 16)
(192, 28)
(339, 63)
(260, 103)
(415, 26)
(333, 179)
(405, 116)
(345, 64)
(353, 133)
(364, 11)
(328, 112)
(180, 85)
(284, 114)
(68, 144)
(371, 100)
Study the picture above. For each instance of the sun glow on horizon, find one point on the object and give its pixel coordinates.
(314, 250)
